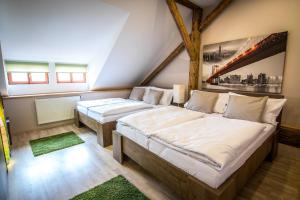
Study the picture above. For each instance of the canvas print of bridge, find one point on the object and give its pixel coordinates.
(253, 64)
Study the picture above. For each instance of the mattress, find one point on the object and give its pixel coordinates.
(100, 102)
(82, 109)
(104, 119)
(199, 170)
(83, 106)
(118, 108)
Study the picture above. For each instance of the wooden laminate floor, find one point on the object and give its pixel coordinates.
(68, 172)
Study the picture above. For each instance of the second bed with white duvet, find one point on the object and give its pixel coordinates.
(107, 110)
(211, 166)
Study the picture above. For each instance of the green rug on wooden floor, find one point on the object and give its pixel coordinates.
(117, 188)
(54, 143)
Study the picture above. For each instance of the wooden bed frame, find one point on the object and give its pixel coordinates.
(104, 131)
(185, 185)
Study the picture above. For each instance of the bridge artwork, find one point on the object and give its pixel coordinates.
(251, 64)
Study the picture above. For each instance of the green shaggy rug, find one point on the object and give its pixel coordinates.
(117, 188)
(53, 143)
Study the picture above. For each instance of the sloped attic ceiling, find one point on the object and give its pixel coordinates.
(71, 31)
(148, 34)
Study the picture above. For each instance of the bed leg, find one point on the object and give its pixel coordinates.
(117, 147)
(78, 124)
(104, 133)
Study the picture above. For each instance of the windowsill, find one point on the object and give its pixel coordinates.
(44, 94)
(65, 93)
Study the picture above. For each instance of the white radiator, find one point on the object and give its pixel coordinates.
(55, 109)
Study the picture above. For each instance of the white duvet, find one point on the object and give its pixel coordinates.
(215, 141)
(119, 108)
(100, 102)
(152, 120)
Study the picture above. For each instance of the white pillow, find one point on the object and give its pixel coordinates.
(272, 109)
(167, 96)
(221, 103)
(186, 103)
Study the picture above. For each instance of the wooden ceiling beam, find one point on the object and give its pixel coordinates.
(214, 14)
(188, 4)
(193, 80)
(182, 29)
(194, 63)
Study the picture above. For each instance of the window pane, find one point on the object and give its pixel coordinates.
(64, 77)
(78, 77)
(19, 77)
(39, 77)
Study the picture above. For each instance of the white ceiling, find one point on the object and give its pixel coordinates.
(71, 31)
(205, 3)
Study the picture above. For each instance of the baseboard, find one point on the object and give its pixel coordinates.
(289, 136)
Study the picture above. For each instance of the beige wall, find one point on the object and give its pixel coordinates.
(249, 18)
(21, 110)
(177, 72)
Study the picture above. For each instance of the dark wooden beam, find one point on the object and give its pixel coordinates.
(182, 29)
(165, 63)
(188, 4)
(214, 14)
(195, 38)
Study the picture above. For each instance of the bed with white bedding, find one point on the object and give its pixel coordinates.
(164, 117)
(201, 168)
(84, 106)
(208, 156)
(116, 109)
(101, 114)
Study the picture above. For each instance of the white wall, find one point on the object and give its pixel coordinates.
(148, 34)
(3, 84)
(52, 87)
(96, 64)
(177, 72)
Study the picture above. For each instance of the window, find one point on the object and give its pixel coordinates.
(38, 77)
(78, 77)
(18, 78)
(64, 77)
(70, 73)
(27, 73)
